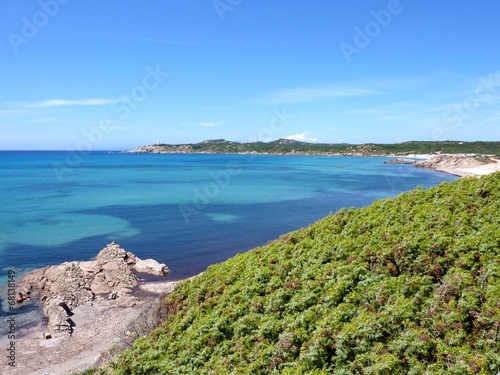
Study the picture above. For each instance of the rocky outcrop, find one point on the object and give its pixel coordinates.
(150, 266)
(445, 162)
(399, 161)
(107, 280)
(163, 149)
(213, 147)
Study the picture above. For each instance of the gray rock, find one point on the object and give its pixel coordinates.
(151, 266)
(109, 279)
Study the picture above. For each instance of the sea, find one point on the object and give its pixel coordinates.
(185, 210)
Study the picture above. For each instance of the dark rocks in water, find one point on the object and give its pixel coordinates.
(399, 161)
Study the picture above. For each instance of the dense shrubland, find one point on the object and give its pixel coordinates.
(290, 146)
(409, 285)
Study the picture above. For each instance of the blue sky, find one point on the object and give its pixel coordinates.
(117, 74)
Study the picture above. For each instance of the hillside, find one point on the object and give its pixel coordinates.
(408, 285)
(289, 146)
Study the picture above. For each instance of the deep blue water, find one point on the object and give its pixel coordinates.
(188, 211)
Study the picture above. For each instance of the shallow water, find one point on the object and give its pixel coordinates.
(188, 211)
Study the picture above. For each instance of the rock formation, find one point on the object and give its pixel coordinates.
(455, 164)
(164, 149)
(107, 280)
(439, 162)
(399, 161)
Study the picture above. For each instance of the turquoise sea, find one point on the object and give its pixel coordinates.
(188, 211)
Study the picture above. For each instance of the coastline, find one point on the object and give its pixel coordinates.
(484, 170)
(460, 170)
(284, 146)
(459, 165)
(93, 334)
(93, 338)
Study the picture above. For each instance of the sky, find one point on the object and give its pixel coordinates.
(113, 75)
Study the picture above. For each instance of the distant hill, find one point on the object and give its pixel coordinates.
(217, 142)
(409, 285)
(286, 141)
(285, 146)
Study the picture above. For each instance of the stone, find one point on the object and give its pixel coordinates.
(151, 266)
(446, 161)
(113, 295)
(109, 278)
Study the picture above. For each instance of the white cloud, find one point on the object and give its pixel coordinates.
(403, 83)
(312, 94)
(210, 124)
(331, 92)
(302, 137)
(61, 103)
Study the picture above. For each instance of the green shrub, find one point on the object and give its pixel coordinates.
(409, 285)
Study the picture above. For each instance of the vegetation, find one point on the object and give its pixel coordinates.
(409, 285)
(287, 146)
(446, 147)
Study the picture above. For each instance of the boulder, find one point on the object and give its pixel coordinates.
(106, 280)
(56, 312)
(151, 267)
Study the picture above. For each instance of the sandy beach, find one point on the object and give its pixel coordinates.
(483, 170)
(97, 329)
(458, 165)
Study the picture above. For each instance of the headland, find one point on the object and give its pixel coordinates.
(453, 157)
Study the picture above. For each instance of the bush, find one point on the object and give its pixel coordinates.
(409, 285)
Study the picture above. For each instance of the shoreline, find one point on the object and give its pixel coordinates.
(469, 172)
(92, 340)
(284, 146)
(297, 153)
(460, 171)
(94, 336)
(459, 165)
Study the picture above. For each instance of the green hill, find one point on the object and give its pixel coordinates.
(289, 146)
(409, 285)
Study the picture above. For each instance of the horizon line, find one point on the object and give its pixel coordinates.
(224, 140)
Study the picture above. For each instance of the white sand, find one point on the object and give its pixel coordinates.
(482, 170)
(466, 167)
(419, 156)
